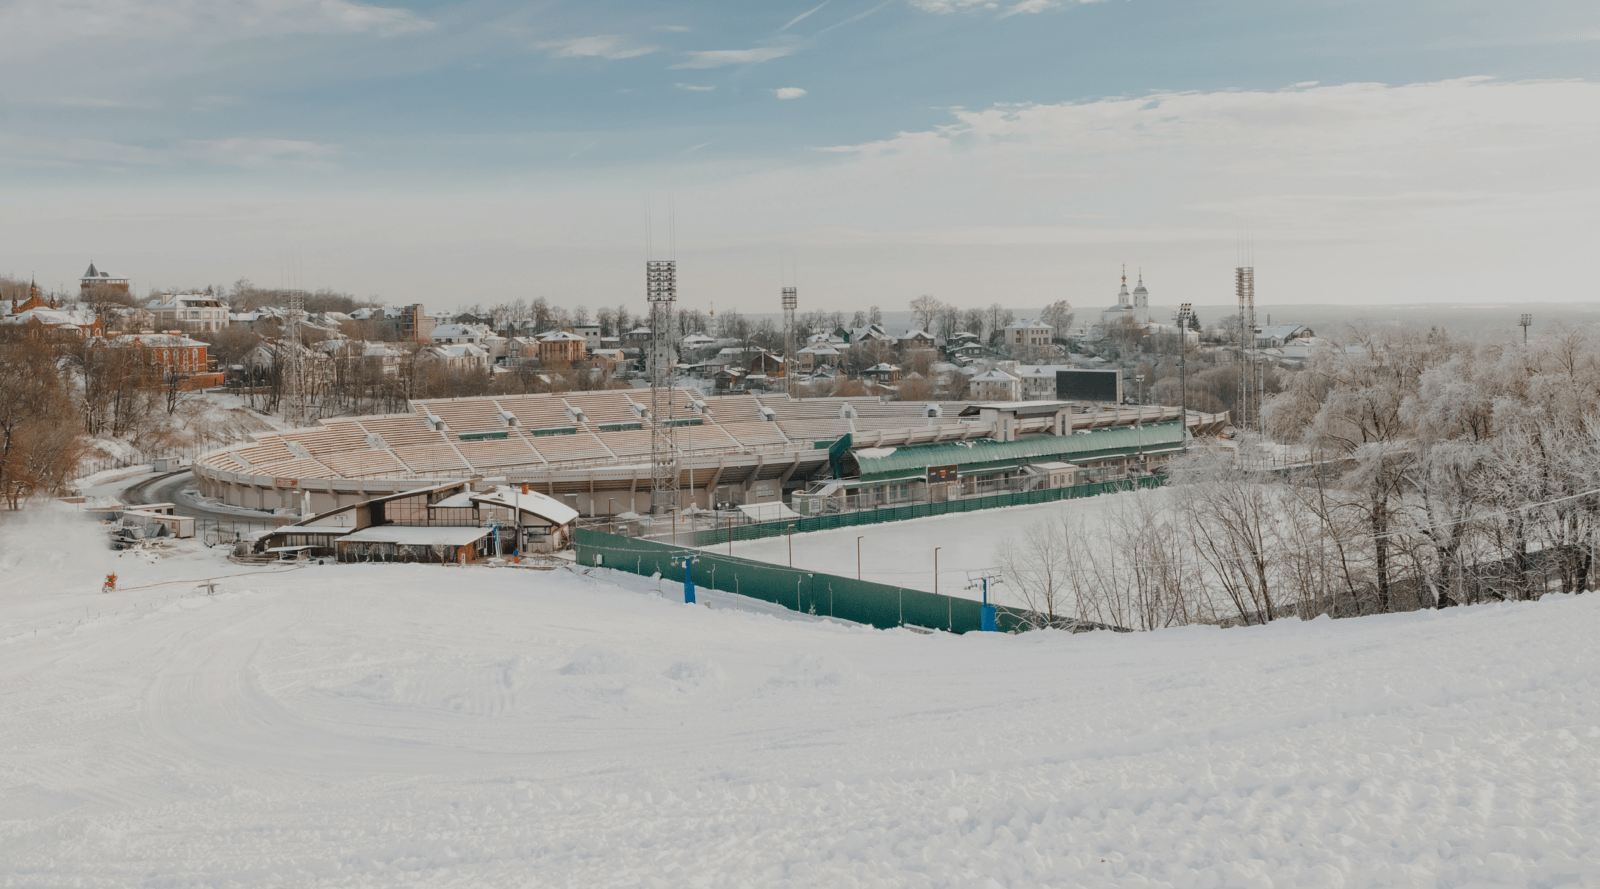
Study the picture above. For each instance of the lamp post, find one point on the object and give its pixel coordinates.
(858, 558)
(1525, 321)
(936, 569)
(790, 535)
(1140, 378)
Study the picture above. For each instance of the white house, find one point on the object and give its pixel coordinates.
(203, 310)
(995, 385)
(1026, 333)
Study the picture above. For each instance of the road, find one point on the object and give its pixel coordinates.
(167, 489)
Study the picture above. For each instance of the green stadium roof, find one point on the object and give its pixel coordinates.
(985, 455)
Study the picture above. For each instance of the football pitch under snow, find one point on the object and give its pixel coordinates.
(901, 553)
(418, 725)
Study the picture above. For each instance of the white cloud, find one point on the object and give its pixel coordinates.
(604, 46)
(236, 152)
(718, 57)
(694, 88)
(259, 152)
(1459, 190)
(676, 29)
(789, 92)
(805, 15)
(944, 7)
(38, 25)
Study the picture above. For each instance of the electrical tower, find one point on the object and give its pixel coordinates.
(1244, 284)
(661, 290)
(790, 359)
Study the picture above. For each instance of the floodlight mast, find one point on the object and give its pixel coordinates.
(661, 291)
(1185, 315)
(791, 300)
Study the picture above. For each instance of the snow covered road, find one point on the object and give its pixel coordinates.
(373, 726)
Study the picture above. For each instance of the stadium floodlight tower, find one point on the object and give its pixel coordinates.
(661, 290)
(1244, 285)
(791, 299)
(291, 364)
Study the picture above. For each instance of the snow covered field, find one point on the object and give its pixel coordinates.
(380, 726)
(901, 553)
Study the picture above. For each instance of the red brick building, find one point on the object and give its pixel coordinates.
(172, 352)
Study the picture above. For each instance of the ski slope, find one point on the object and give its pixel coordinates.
(381, 726)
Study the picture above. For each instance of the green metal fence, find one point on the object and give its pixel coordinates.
(712, 537)
(809, 592)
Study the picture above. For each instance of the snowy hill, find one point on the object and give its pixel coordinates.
(374, 725)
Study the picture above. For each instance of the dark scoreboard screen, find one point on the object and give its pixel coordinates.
(1088, 385)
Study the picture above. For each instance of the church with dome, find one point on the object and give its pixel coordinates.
(1131, 316)
(1131, 308)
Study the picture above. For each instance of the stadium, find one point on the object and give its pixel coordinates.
(592, 449)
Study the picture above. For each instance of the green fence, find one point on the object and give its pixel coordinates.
(712, 537)
(809, 592)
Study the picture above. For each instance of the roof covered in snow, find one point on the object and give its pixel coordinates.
(986, 455)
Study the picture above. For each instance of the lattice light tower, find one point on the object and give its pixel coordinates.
(1244, 284)
(661, 290)
(791, 299)
(292, 366)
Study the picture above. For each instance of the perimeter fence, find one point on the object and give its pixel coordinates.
(884, 606)
(828, 522)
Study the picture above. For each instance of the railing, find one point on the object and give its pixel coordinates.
(709, 529)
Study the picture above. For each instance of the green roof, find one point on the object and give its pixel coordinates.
(992, 456)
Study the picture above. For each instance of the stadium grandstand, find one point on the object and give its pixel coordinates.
(592, 449)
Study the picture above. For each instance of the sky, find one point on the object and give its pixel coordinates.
(1020, 151)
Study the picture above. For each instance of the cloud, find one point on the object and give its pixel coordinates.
(44, 24)
(853, 19)
(718, 57)
(789, 92)
(693, 88)
(676, 29)
(944, 7)
(604, 46)
(259, 152)
(235, 152)
(805, 15)
(77, 102)
(1336, 161)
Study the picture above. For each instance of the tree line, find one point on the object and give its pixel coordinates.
(1398, 470)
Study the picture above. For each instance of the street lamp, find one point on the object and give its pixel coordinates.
(1525, 321)
(858, 558)
(936, 569)
(791, 546)
(1140, 378)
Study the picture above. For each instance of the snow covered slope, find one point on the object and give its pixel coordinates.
(376, 726)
